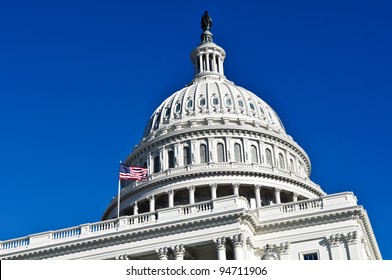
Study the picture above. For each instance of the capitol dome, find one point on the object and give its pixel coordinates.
(213, 139)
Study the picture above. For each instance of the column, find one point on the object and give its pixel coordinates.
(191, 190)
(207, 58)
(220, 244)
(151, 198)
(354, 247)
(334, 246)
(236, 189)
(200, 63)
(179, 252)
(170, 193)
(221, 66)
(237, 242)
(257, 195)
(162, 253)
(213, 190)
(277, 195)
(214, 62)
(135, 208)
(295, 197)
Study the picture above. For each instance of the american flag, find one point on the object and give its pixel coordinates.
(133, 173)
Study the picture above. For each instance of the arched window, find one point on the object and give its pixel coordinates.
(157, 164)
(237, 153)
(292, 165)
(187, 156)
(171, 159)
(203, 153)
(268, 157)
(253, 154)
(281, 161)
(220, 150)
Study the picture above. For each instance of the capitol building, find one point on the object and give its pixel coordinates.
(226, 182)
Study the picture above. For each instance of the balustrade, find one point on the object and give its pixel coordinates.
(302, 205)
(15, 243)
(196, 208)
(66, 233)
(102, 226)
(142, 218)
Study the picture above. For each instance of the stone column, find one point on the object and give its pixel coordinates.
(354, 247)
(236, 189)
(237, 241)
(220, 244)
(191, 190)
(295, 197)
(170, 193)
(257, 195)
(334, 246)
(179, 252)
(151, 198)
(135, 208)
(277, 195)
(200, 63)
(213, 187)
(162, 253)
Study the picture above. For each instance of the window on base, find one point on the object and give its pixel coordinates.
(310, 256)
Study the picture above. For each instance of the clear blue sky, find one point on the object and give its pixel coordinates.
(80, 79)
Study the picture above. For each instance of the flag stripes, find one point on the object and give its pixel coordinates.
(133, 173)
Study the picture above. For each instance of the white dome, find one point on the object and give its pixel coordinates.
(212, 139)
(213, 97)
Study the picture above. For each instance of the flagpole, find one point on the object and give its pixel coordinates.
(118, 196)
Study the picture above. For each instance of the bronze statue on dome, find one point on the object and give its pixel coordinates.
(206, 21)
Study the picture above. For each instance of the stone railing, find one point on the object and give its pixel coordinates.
(196, 208)
(302, 205)
(15, 243)
(239, 166)
(65, 233)
(329, 202)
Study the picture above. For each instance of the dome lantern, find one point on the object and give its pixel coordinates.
(208, 57)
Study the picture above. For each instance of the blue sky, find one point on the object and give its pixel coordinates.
(80, 79)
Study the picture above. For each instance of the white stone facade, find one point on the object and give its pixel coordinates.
(225, 182)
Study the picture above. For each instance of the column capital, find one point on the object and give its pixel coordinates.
(213, 185)
(278, 190)
(122, 257)
(237, 240)
(170, 192)
(295, 194)
(220, 242)
(191, 188)
(178, 251)
(162, 253)
(351, 237)
(235, 185)
(282, 248)
(257, 186)
(334, 239)
(151, 197)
